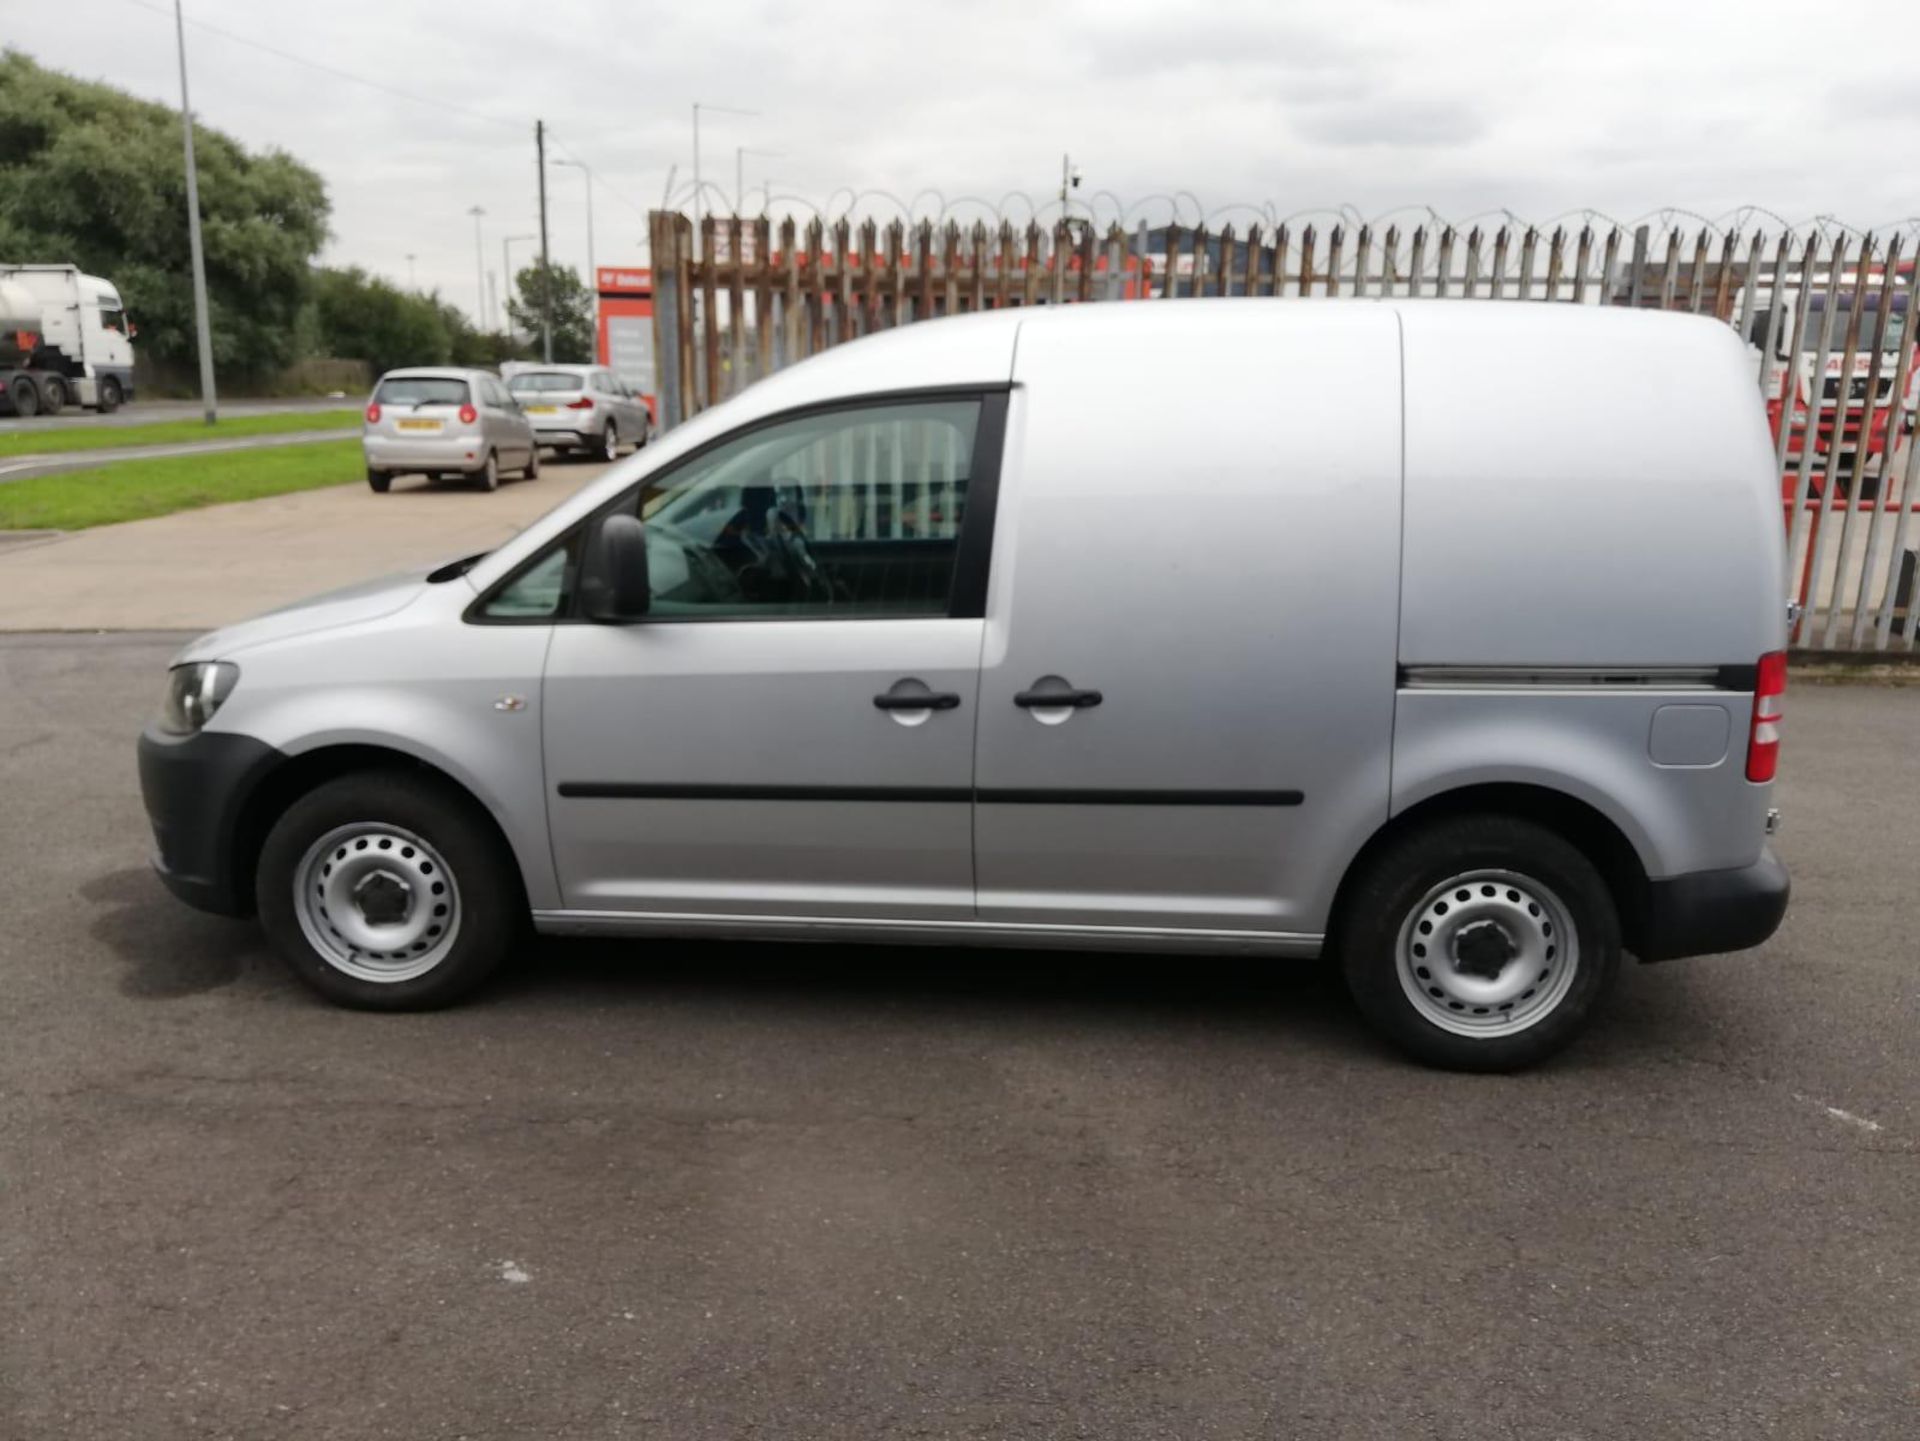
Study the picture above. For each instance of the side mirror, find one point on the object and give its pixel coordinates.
(614, 586)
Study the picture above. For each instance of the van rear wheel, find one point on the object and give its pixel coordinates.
(385, 891)
(1480, 943)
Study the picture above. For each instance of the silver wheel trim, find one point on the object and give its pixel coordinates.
(356, 867)
(1530, 985)
(610, 442)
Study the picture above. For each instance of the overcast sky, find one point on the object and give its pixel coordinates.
(1462, 105)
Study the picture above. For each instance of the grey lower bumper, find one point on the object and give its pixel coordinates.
(1714, 911)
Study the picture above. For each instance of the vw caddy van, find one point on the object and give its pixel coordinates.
(1445, 639)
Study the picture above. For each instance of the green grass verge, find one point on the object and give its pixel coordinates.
(136, 489)
(59, 439)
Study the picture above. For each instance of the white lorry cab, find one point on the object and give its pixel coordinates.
(1442, 638)
(65, 339)
(1807, 373)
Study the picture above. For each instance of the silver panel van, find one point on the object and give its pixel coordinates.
(1444, 639)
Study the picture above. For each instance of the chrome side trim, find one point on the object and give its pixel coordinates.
(1529, 677)
(932, 933)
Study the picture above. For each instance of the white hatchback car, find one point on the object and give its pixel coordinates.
(584, 409)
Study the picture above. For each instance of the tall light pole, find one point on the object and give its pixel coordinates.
(697, 108)
(413, 281)
(740, 154)
(593, 275)
(546, 268)
(203, 331)
(507, 242)
(479, 270)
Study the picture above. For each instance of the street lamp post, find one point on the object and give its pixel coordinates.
(593, 275)
(697, 108)
(479, 270)
(203, 330)
(740, 154)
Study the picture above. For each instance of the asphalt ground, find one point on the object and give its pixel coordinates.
(776, 1191)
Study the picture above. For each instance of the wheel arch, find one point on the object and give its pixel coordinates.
(301, 774)
(1580, 823)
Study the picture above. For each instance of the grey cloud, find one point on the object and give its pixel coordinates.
(1406, 123)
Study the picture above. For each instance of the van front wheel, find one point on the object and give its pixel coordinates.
(384, 891)
(1480, 943)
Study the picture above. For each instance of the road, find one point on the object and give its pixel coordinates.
(145, 412)
(728, 1191)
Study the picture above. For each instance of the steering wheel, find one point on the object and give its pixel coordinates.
(789, 540)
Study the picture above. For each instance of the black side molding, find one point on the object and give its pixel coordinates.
(646, 791)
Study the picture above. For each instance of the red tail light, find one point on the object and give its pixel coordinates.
(1769, 700)
(468, 415)
(585, 402)
(373, 413)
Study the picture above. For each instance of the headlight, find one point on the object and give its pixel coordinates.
(194, 693)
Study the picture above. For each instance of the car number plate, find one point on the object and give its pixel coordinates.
(543, 410)
(427, 425)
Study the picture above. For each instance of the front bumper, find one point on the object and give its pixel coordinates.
(196, 788)
(437, 453)
(1713, 911)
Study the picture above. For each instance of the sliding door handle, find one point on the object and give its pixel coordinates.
(1058, 699)
(926, 700)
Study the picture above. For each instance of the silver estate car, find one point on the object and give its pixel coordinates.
(439, 422)
(583, 409)
(1445, 639)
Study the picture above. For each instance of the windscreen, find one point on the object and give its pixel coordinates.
(544, 381)
(1869, 320)
(422, 390)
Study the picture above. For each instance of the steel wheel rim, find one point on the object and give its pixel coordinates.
(1449, 954)
(610, 442)
(377, 902)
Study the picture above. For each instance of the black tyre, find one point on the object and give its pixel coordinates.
(389, 892)
(53, 395)
(379, 481)
(112, 397)
(531, 470)
(1479, 943)
(24, 396)
(488, 476)
(610, 442)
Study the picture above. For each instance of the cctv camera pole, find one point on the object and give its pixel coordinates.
(203, 331)
(546, 274)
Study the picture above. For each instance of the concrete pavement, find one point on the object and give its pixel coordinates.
(197, 569)
(788, 1191)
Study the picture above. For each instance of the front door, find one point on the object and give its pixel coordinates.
(790, 730)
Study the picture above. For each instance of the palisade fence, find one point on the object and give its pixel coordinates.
(1823, 310)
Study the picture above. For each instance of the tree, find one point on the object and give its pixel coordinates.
(572, 310)
(93, 176)
(361, 317)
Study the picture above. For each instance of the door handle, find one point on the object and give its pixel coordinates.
(1061, 699)
(932, 700)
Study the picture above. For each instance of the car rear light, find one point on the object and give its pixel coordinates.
(1769, 700)
(468, 415)
(373, 413)
(585, 402)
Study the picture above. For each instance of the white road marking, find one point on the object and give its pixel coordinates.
(1848, 1117)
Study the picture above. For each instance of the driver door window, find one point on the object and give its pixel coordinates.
(847, 513)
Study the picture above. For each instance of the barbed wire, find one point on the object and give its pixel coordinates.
(1104, 210)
